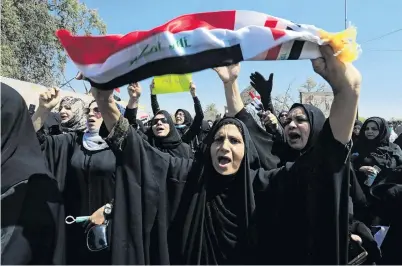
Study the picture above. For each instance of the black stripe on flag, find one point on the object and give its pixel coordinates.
(177, 65)
(296, 50)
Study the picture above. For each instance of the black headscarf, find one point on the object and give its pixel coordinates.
(364, 145)
(31, 229)
(21, 155)
(354, 136)
(172, 142)
(188, 119)
(316, 119)
(215, 218)
(379, 151)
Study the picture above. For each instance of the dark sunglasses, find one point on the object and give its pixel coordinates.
(88, 110)
(97, 238)
(282, 115)
(156, 120)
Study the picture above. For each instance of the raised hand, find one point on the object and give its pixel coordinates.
(134, 90)
(152, 86)
(192, 89)
(261, 85)
(339, 75)
(49, 99)
(228, 74)
(269, 119)
(102, 95)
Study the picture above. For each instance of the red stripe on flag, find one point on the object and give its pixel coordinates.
(117, 89)
(273, 53)
(272, 23)
(252, 95)
(96, 49)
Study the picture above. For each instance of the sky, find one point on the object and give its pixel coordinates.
(380, 62)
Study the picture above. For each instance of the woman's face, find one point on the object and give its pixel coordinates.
(94, 117)
(160, 126)
(297, 128)
(356, 130)
(227, 150)
(65, 112)
(372, 130)
(180, 117)
(282, 117)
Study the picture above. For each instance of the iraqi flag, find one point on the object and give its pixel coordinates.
(188, 44)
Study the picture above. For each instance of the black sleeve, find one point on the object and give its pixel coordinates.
(154, 104)
(131, 115)
(278, 134)
(58, 151)
(263, 141)
(269, 106)
(140, 126)
(143, 163)
(195, 127)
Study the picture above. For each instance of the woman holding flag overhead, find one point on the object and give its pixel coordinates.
(176, 194)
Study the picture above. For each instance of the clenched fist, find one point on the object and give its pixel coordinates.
(49, 99)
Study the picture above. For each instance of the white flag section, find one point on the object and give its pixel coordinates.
(199, 41)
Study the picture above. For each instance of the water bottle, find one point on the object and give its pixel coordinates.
(370, 179)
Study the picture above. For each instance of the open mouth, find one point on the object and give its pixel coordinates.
(63, 117)
(91, 120)
(294, 136)
(224, 160)
(159, 129)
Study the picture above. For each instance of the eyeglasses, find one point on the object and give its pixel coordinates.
(97, 238)
(95, 110)
(156, 120)
(282, 115)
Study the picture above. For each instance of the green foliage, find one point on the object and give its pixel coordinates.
(211, 112)
(30, 50)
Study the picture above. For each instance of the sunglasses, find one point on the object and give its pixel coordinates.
(282, 115)
(156, 120)
(96, 111)
(97, 238)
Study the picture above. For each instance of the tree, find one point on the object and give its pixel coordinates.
(210, 112)
(310, 85)
(283, 101)
(29, 47)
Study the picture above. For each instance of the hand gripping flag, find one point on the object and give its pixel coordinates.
(199, 41)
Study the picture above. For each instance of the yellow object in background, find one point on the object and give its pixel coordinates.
(172, 83)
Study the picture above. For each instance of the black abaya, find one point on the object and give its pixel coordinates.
(87, 180)
(149, 196)
(32, 228)
(303, 213)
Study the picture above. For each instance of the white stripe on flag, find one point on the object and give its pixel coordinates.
(285, 50)
(249, 18)
(253, 40)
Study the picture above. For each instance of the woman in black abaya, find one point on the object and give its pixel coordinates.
(374, 149)
(84, 166)
(162, 134)
(32, 226)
